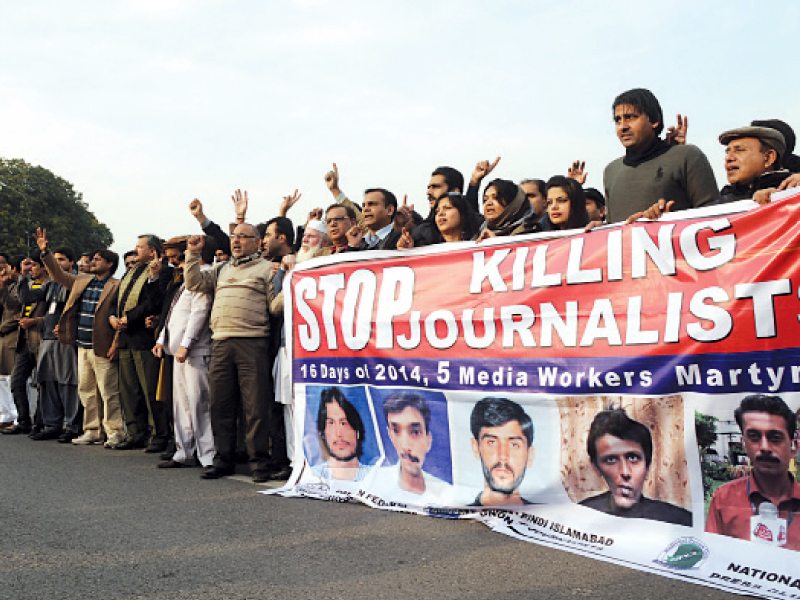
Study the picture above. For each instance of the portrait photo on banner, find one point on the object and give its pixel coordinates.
(414, 426)
(749, 448)
(339, 436)
(625, 456)
(504, 450)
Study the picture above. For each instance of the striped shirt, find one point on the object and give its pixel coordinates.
(86, 309)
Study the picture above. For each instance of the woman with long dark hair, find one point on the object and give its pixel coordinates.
(566, 204)
(455, 221)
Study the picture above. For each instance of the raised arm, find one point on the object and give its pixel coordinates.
(240, 203)
(332, 181)
(404, 215)
(677, 135)
(57, 274)
(209, 227)
(577, 172)
(482, 169)
(288, 203)
(197, 280)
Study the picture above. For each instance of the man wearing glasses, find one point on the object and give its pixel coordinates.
(240, 366)
(339, 219)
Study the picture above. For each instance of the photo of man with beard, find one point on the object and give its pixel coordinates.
(341, 436)
(502, 439)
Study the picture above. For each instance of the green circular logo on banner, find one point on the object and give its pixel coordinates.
(683, 553)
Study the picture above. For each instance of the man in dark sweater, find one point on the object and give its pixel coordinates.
(652, 169)
(753, 159)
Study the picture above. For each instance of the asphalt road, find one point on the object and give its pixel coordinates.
(86, 523)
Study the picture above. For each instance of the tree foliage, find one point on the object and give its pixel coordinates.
(705, 427)
(32, 197)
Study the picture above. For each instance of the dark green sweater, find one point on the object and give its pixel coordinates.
(682, 174)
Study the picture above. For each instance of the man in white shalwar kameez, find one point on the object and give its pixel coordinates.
(187, 337)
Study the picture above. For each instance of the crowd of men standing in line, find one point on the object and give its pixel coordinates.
(185, 356)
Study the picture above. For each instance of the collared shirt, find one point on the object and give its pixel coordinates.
(372, 239)
(86, 309)
(736, 502)
(387, 485)
(235, 262)
(323, 470)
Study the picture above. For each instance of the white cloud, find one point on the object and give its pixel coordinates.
(157, 8)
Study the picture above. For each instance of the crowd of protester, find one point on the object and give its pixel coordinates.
(184, 356)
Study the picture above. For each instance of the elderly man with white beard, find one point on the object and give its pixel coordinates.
(315, 240)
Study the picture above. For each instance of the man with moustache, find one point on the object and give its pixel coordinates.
(536, 193)
(339, 219)
(341, 436)
(652, 169)
(278, 240)
(315, 241)
(141, 295)
(380, 207)
(84, 322)
(502, 435)
(239, 375)
(753, 158)
(621, 450)
(375, 228)
(408, 419)
(768, 426)
(332, 181)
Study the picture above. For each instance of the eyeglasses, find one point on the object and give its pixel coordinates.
(336, 219)
(241, 236)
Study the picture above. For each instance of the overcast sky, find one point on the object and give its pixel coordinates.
(146, 104)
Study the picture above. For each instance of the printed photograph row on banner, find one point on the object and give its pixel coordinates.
(726, 465)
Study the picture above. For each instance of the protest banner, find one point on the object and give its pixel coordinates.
(577, 392)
